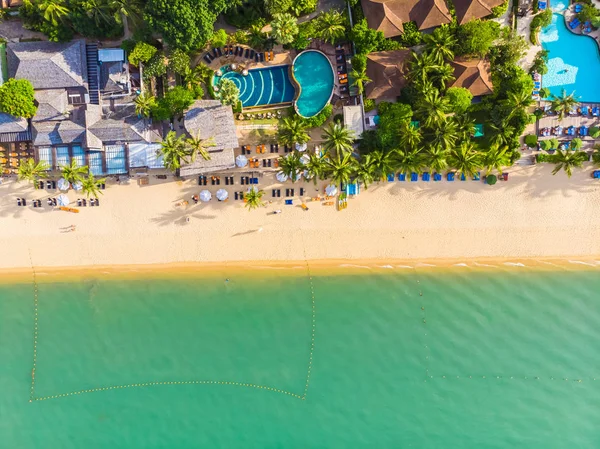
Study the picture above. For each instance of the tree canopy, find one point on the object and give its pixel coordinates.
(16, 98)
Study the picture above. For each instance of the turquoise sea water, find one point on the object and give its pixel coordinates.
(425, 359)
(313, 72)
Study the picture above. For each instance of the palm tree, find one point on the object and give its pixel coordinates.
(383, 162)
(519, 100)
(432, 108)
(285, 28)
(144, 104)
(496, 158)
(31, 171)
(440, 44)
(74, 173)
(292, 131)
(253, 198)
(563, 104)
(316, 166)
(337, 138)
(127, 9)
(359, 79)
(99, 11)
(91, 186)
(443, 75)
(291, 165)
(465, 159)
(596, 155)
(174, 151)
(420, 67)
(503, 133)
(465, 127)
(410, 136)
(436, 158)
(366, 170)
(256, 37)
(341, 166)
(567, 161)
(331, 26)
(198, 146)
(229, 93)
(54, 11)
(409, 161)
(444, 135)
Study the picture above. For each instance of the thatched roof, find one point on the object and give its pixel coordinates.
(386, 69)
(388, 16)
(48, 65)
(467, 10)
(474, 74)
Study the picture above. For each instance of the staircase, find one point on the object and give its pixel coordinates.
(93, 76)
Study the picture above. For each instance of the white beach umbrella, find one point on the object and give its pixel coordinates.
(301, 146)
(77, 185)
(233, 66)
(299, 174)
(241, 161)
(205, 196)
(222, 194)
(63, 184)
(331, 190)
(305, 159)
(307, 174)
(63, 200)
(281, 176)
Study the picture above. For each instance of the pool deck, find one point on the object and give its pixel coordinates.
(550, 121)
(282, 57)
(570, 14)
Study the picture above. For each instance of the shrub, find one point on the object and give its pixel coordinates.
(499, 10)
(219, 38)
(16, 98)
(531, 140)
(595, 132)
(542, 157)
(142, 53)
(459, 99)
(179, 61)
(588, 12)
(369, 104)
(156, 67)
(320, 118)
(476, 37)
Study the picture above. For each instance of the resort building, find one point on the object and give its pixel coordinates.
(389, 16)
(387, 71)
(209, 119)
(473, 74)
(467, 10)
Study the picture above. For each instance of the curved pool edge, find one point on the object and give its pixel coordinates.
(562, 13)
(299, 88)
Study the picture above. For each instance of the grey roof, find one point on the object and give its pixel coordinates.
(47, 133)
(219, 161)
(11, 124)
(209, 118)
(52, 104)
(48, 65)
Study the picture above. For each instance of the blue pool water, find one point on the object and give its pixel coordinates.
(574, 61)
(314, 74)
(270, 85)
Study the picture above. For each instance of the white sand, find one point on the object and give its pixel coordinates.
(532, 215)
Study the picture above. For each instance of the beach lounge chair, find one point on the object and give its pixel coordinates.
(207, 58)
(450, 176)
(463, 177)
(505, 176)
(585, 110)
(247, 53)
(254, 180)
(301, 191)
(261, 57)
(289, 202)
(437, 177)
(252, 54)
(595, 111)
(583, 130)
(477, 176)
(214, 53)
(587, 27)
(542, 5)
(596, 174)
(578, 7)
(425, 177)
(414, 177)
(574, 23)
(390, 178)
(401, 177)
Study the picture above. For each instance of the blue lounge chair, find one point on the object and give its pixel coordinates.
(477, 176)
(587, 27)
(437, 177)
(401, 177)
(542, 5)
(537, 85)
(574, 23)
(578, 7)
(289, 202)
(425, 177)
(390, 178)
(585, 110)
(463, 177)
(595, 111)
(414, 177)
(596, 174)
(450, 176)
(583, 131)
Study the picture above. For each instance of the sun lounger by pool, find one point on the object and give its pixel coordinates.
(583, 131)
(578, 7)
(207, 58)
(585, 110)
(401, 177)
(574, 23)
(542, 5)
(414, 177)
(450, 176)
(595, 111)
(425, 177)
(437, 177)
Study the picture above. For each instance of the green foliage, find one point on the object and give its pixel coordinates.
(542, 19)
(253, 198)
(368, 40)
(411, 35)
(567, 161)
(542, 157)
(476, 37)
(128, 45)
(540, 63)
(156, 66)
(595, 132)
(284, 28)
(174, 103)
(391, 117)
(509, 48)
(228, 93)
(246, 14)
(179, 61)
(319, 119)
(239, 37)
(499, 10)
(73, 172)
(301, 7)
(292, 130)
(369, 104)
(17, 99)
(273, 7)
(31, 171)
(331, 26)
(459, 99)
(184, 24)
(141, 53)
(588, 12)
(531, 140)
(219, 38)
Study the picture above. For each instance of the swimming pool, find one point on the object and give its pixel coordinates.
(261, 87)
(314, 74)
(574, 60)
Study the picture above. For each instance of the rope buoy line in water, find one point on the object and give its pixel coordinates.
(313, 320)
(35, 329)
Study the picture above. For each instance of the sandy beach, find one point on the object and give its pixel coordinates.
(532, 215)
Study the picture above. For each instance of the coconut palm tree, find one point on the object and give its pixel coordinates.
(291, 165)
(74, 173)
(331, 26)
(316, 167)
(443, 75)
(90, 186)
(31, 171)
(502, 133)
(567, 161)
(337, 138)
(436, 158)
(465, 127)
(99, 11)
(497, 157)
(409, 161)
(410, 136)
(53, 11)
(518, 100)
(440, 44)
(199, 147)
(444, 134)
(465, 159)
(432, 108)
(127, 9)
(563, 104)
(292, 131)
(229, 93)
(341, 166)
(174, 151)
(256, 37)
(366, 170)
(144, 104)
(285, 28)
(359, 79)
(253, 198)
(384, 163)
(420, 67)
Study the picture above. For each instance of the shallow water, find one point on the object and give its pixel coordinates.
(463, 359)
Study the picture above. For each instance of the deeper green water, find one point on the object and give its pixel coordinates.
(465, 360)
